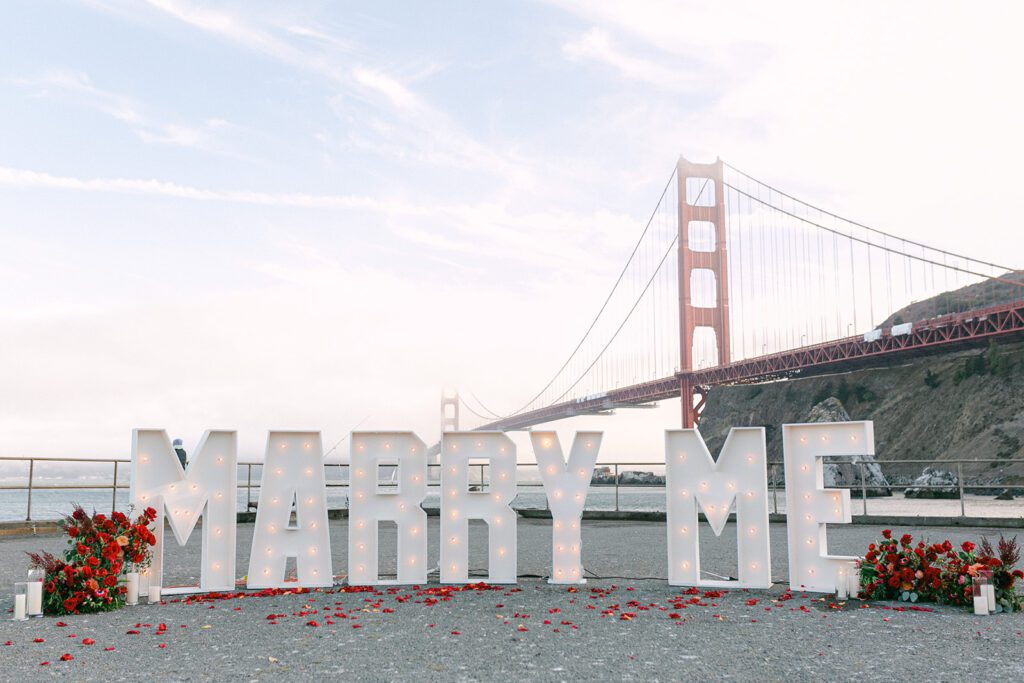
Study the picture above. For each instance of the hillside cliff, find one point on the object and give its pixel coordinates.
(966, 404)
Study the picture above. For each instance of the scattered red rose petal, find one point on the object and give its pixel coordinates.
(66, 657)
(456, 633)
(44, 664)
(357, 625)
(108, 649)
(39, 640)
(133, 632)
(88, 641)
(312, 623)
(60, 623)
(162, 645)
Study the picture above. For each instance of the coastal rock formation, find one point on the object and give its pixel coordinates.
(934, 483)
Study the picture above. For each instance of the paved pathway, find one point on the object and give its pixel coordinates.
(611, 629)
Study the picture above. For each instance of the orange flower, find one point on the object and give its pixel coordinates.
(122, 541)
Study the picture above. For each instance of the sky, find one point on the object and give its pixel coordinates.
(319, 215)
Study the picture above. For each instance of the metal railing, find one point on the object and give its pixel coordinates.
(776, 479)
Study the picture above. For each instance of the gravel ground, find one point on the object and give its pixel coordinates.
(612, 628)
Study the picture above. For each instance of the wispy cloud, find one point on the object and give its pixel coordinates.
(597, 45)
(78, 87)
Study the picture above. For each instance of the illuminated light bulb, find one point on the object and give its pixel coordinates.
(753, 565)
(453, 540)
(685, 565)
(215, 567)
(750, 458)
(455, 447)
(803, 439)
(312, 525)
(453, 493)
(804, 468)
(312, 550)
(808, 517)
(574, 548)
(273, 500)
(455, 567)
(810, 541)
(402, 507)
(558, 494)
(583, 473)
(711, 508)
(219, 495)
(836, 510)
(309, 471)
(559, 572)
(502, 449)
(703, 484)
(497, 497)
(683, 493)
(278, 472)
(306, 446)
(504, 475)
(316, 572)
(455, 514)
(309, 501)
(143, 498)
(216, 532)
(561, 548)
(360, 524)
(412, 449)
(752, 531)
(579, 496)
(359, 473)
(265, 572)
(412, 560)
(853, 437)
(284, 446)
(683, 531)
(453, 470)
(824, 437)
(359, 495)
(177, 512)
(807, 496)
(732, 485)
(479, 444)
(415, 477)
(172, 487)
(362, 546)
(547, 443)
(220, 460)
(415, 530)
(501, 552)
(572, 525)
(750, 494)
(144, 458)
(575, 572)
(551, 469)
(558, 525)
(361, 569)
(387, 444)
(810, 571)
(271, 528)
(360, 446)
(497, 521)
(835, 499)
(270, 551)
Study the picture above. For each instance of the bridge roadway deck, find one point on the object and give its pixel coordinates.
(936, 335)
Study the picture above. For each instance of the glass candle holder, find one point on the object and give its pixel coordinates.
(20, 601)
(34, 601)
(980, 591)
(990, 588)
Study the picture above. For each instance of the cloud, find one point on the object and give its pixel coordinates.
(79, 88)
(596, 45)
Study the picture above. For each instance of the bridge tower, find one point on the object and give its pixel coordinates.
(702, 247)
(449, 418)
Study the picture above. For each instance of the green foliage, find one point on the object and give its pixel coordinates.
(822, 393)
(992, 362)
(755, 391)
(931, 379)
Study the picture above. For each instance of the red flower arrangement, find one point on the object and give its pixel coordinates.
(938, 572)
(86, 579)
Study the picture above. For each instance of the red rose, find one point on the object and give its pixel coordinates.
(69, 605)
(94, 561)
(887, 533)
(967, 546)
(78, 514)
(72, 531)
(82, 549)
(110, 581)
(906, 539)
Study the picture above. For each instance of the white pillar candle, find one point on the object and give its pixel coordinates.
(34, 603)
(990, 593)
(154, 594)
(980, 605)
(132, 584)
(854, 584)
(19, 607)
(842, 585)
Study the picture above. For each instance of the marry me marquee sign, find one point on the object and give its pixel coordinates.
(293, 481)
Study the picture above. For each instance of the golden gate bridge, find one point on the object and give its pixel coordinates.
(735, 281)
